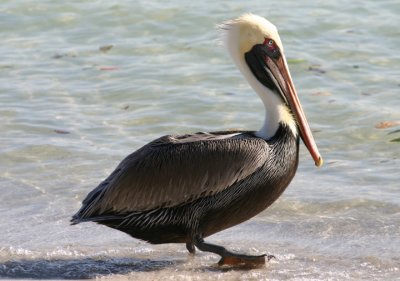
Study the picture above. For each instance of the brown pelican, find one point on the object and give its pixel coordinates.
(183, 188)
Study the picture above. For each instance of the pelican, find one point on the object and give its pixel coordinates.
(183, 188)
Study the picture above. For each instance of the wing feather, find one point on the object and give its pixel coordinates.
(171, 171)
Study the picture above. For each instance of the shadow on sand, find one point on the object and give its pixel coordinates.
(85, 268)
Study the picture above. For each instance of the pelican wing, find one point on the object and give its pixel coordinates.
(173, 170)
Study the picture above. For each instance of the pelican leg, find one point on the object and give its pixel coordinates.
(190, 247)
(230, 258)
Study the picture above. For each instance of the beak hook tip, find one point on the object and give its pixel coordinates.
(319, 162)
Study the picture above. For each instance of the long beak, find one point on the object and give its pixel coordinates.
(280, 70)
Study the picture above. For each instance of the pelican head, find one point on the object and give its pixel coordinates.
(256, 48)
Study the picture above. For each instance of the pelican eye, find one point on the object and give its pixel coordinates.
(270, 44)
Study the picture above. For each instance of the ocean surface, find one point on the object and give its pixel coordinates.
(85, 83)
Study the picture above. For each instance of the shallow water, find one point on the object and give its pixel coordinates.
(70, 112)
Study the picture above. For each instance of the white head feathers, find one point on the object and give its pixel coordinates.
(249, 30)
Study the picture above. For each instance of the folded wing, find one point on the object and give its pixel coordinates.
(175, 170)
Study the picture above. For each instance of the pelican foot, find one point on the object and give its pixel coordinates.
(232, 259)
(241, 260)
(246, 261)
